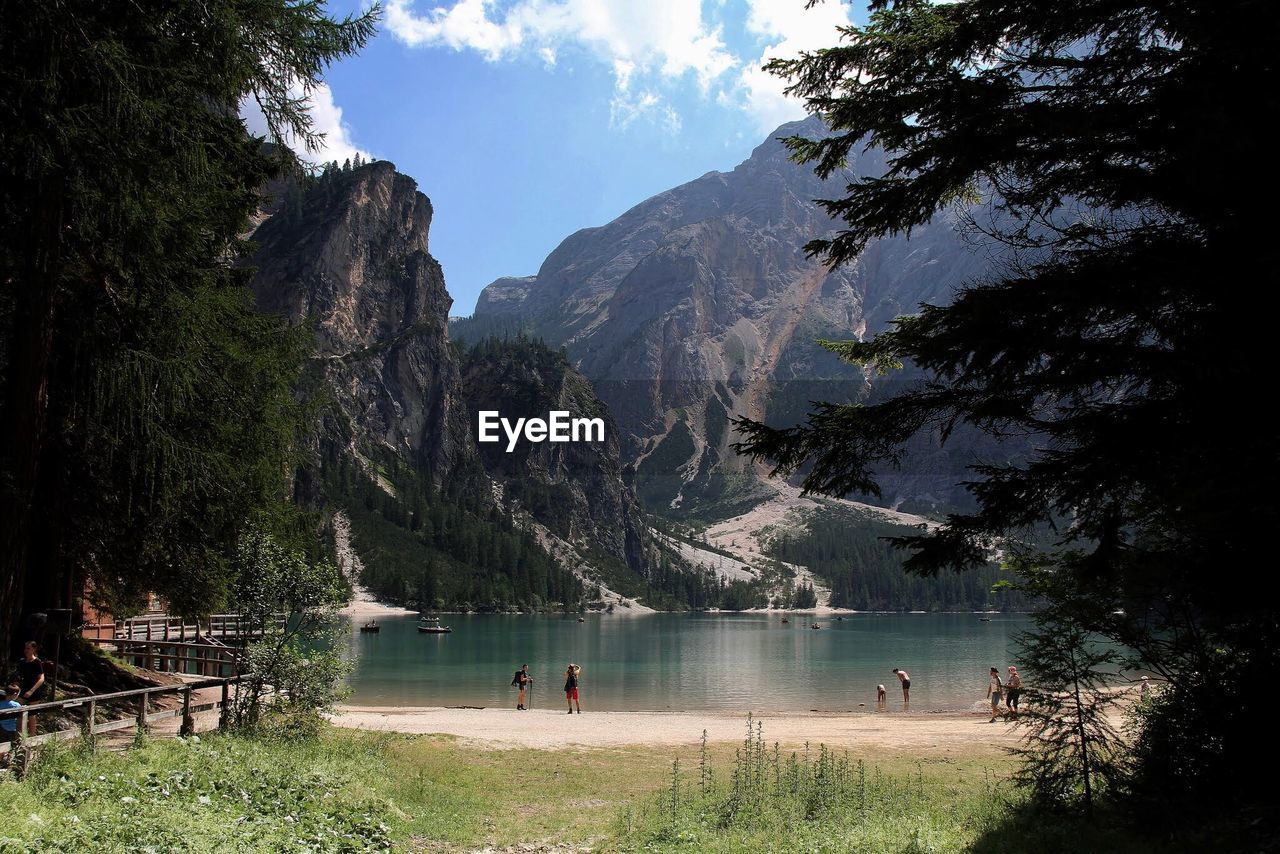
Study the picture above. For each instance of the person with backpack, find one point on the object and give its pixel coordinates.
(571, 687)
(522, 680)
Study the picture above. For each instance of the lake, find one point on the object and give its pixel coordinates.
(737, 662)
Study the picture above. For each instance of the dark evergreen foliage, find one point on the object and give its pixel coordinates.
(1073, 753)
(852, 552)
(452, 547)
(145, 409)
(448, 548)
(1110, 156)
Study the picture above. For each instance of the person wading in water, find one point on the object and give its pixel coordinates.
(522, 680)
(905, 679)
(571, 675)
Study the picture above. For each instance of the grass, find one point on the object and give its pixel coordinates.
(220, 793)
(354, 791)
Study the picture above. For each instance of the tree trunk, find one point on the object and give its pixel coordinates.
(1081, 733)
(26, 401)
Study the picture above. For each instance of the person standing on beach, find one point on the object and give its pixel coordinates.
(994, 689)
(1013, 689)
(522, 680)
(905, 679)
(571, 687)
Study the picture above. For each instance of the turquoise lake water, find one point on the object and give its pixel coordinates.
(736, 662)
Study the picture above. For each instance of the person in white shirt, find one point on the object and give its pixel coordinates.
(994, 690)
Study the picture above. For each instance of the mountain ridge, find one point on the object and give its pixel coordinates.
(699, 305)
(348, 255)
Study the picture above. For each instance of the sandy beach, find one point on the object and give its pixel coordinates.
(915, 733)
(363, 604)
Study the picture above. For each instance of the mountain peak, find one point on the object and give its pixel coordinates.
(700, 304)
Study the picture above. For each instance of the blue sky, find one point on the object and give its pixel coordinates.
(526, 120)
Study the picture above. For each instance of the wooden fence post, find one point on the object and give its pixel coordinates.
(142, 711)
(188, 722)
(91, 718)
(224, 714)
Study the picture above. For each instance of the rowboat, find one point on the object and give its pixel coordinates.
(431, 626)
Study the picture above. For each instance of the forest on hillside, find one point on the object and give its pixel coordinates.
(850, 551)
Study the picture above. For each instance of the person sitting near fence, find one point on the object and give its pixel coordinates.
(9, 725)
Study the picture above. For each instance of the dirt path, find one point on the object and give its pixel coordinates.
(915, 733)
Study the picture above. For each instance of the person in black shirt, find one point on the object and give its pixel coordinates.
(30, 681)
(522, 680)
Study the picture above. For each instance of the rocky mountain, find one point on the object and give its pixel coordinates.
(577, 492)
(436, 519)
(699, 305)
(349, 256)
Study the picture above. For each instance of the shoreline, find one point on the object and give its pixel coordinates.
(546, 728)
(368, 606)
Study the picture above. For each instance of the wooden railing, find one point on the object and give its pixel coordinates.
(142, 719)
(162, 627)
(240, 626)
(191, 659)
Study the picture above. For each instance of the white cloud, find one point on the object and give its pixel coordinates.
(465, 25)
(785, 29)
(656, 41)
(647, 45)
(326, 117)
(626, 108)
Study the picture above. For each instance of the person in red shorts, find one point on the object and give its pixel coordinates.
(571, 687)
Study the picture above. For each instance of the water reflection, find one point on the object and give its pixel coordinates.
(734, 662)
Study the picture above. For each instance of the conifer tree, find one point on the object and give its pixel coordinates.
(144, 406)
(1109, 156)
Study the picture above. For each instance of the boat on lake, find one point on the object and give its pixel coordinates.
(431, 626)
(370, 628)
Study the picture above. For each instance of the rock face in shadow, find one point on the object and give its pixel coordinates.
(577, 489)
(351, 258)
(699, 305)
(348, 254)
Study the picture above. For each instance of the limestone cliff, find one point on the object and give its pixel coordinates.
(348, 254)
(352, 259)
